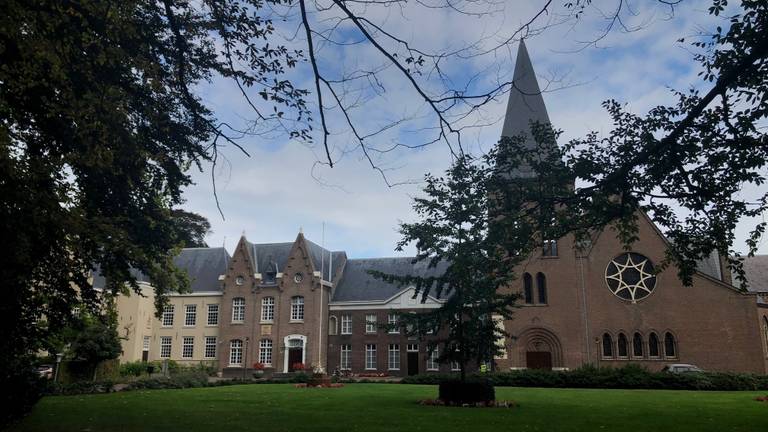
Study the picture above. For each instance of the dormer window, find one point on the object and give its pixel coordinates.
(270, 276)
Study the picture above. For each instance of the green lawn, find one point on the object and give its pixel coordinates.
(392, 407)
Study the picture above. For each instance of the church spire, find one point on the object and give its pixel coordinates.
(525, 104)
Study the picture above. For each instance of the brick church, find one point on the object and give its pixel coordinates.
(283, 305)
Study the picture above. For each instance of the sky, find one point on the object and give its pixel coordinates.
(281, 189)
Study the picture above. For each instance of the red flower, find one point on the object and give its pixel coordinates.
(258, 366)
(298, 366)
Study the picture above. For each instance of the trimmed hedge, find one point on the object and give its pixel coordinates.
(456, 392)
(626, 377)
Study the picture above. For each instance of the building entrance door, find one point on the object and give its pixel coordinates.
(413, 363)
(294, 357)
(538, 360)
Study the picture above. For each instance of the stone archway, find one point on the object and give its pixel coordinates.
(540, 349)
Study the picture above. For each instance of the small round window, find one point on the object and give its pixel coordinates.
(630, 276)
(239, 280)
(298, 277)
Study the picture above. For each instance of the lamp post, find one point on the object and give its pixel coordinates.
(59, 356)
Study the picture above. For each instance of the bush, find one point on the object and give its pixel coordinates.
(136, 368)
(631, 376)
(22, 387)
(457, 392)
(181, 380)
(81, 387)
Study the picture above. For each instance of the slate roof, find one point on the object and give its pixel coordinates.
(203, 265)
(357, 285)
(525, 106)
(99, 282)
(265, 255)
(756, 269)
(710, 266)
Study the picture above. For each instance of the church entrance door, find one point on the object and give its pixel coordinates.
(294, 356)
(538, 360)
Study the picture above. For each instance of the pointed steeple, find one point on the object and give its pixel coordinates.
(525, 104)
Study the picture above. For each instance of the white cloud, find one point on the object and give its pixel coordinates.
(273, 193)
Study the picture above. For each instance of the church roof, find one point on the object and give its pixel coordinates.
(357, 285)
(525, 103)
(756, 269)
(525, 106)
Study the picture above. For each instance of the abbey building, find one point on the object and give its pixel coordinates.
(283, 306)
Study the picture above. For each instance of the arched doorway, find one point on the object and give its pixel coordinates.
(540, 349)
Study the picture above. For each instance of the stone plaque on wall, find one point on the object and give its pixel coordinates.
(266, 330)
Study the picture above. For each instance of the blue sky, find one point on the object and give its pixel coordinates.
(281, 189)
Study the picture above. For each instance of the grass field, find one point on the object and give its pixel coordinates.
(393, 407)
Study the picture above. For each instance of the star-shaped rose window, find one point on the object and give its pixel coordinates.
(630, 276)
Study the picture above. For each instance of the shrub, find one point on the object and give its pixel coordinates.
(181, 380)
(136, 368)
(457, 392)
(81, 387)
(631, 376)
(22, 388)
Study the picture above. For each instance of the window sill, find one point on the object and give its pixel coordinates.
(301, 321)
(393, 333)
(267, 322)
(189, 326)
(394, 369)
(211, 325)
(345, 334)
(433, 370)
(371, 369)
(237, 322)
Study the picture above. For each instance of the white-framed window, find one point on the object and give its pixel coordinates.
(392, 324)
(265, 352)
(345, 362)
(145, 345)
(297, 308)
(455, 366)
(432, 364)
(370, 323)
(268, 309)
(213, 314)
(394, 357)
(168, 316)
(413, 347)
(370, 356)
(165, 346)
(236, 353)
(187, 347)
(238, 310)
(346, 324)
(210, 347)
(190, 315)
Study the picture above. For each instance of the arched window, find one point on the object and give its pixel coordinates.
(653, 345)
(238, 309)
(297, 308)
(236, 352)
(528, 288)
(670, 348)
(765, 334)
(332, 329)
(637, 345)
(541, 287)
(622, 346)
(607, 345)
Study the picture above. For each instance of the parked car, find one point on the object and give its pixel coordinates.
(45, 371)
(681, 368)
